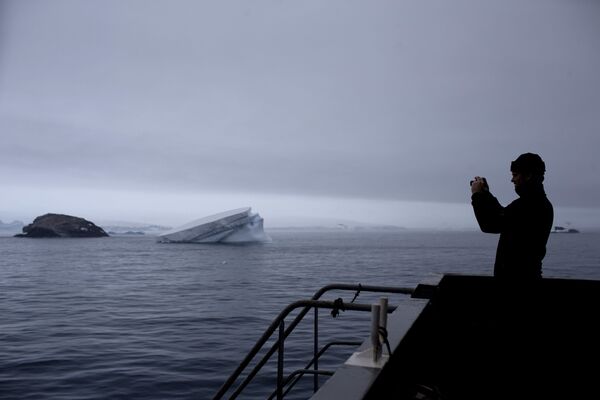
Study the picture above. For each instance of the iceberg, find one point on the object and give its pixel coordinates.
(235, 226)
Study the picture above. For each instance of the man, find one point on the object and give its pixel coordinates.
(524, 225)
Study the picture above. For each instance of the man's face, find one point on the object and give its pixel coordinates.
(519, 178)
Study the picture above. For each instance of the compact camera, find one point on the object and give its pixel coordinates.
(485, 185)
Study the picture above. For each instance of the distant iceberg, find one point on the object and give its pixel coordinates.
(234, 226)
(561, 229)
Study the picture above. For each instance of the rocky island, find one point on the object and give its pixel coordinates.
(60, 225)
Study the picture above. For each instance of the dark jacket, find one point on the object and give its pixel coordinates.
(524, 226)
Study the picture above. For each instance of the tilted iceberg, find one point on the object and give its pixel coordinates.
(234, 226)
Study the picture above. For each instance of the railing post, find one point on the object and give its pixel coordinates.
(316, 351)
(375, 316)
(383, 304)
(280, 360)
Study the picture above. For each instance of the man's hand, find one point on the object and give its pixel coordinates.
(479, 184)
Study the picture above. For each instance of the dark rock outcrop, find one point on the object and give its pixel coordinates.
(59, 225)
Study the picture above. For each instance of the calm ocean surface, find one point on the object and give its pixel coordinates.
(129, 318)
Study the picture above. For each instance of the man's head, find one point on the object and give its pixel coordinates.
(527, 168)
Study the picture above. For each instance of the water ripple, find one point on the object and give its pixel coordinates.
(128, 318)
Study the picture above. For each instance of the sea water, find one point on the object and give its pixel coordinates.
(129, 318)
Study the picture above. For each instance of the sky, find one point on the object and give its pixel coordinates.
(372, 111)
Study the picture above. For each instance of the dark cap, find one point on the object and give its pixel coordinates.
(529, 163)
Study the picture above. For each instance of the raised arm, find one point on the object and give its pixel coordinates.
(488, 211)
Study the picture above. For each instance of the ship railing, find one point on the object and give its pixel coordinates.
(278, 324)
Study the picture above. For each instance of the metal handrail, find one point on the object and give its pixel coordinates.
(283, 333)
(342, 286)
(337, 286)
(279, 323)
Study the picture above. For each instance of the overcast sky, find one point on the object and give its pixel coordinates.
(375, 111)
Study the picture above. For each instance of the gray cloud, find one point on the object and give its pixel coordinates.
(387, 100)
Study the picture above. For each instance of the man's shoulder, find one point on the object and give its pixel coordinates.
(516, 203)
(531, 205)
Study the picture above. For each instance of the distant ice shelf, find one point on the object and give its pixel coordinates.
(235, 226)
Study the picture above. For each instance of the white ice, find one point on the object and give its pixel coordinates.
(234, 226)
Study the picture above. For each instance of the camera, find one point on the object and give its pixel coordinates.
(485, 184)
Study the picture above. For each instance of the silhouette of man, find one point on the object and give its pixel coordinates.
(524, 225)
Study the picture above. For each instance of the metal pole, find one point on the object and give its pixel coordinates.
(375, 315)
(316, 351)
(383, 304)
(280, 361)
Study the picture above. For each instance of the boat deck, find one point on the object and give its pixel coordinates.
(468, 337)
